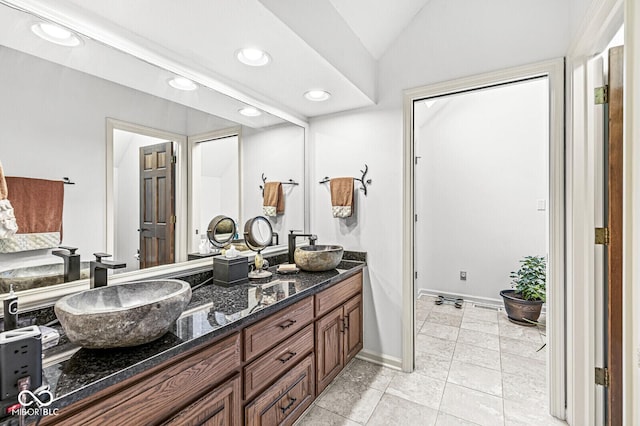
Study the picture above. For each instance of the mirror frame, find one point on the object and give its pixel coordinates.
(112, 36)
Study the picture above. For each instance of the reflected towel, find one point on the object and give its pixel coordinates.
(8, 223)
(273, 203)
(4, 192)
(341, 196)
(38, 205)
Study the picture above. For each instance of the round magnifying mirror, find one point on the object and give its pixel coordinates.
(221, 230)
(258, 234)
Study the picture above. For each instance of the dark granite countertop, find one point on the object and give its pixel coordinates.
(213, 312)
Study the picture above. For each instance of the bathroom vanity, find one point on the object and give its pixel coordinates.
(248, 354)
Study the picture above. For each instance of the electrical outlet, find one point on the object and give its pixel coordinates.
(463, 275)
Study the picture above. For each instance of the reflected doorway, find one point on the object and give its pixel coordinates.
(146, 215)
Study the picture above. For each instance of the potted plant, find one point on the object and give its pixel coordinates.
(524, 302)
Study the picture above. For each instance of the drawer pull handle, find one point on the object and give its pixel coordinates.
(291, 402)
(291, 355)
(287, 324)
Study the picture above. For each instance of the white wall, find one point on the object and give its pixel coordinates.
(482, 170)
(447, 39)
(219, 183)
(277, 152)
(53, 125)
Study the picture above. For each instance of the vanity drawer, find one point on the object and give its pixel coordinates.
(279, 359)
(330, 298)
(286, 400)
(272, 330)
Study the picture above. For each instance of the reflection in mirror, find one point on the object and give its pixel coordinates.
(56, 105)
(215, 176)
(221, 231)
(135, 221)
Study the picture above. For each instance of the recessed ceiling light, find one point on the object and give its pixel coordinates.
(182, 83)
(56, 34)
(317, 95)
(250, 111)
(253, 57)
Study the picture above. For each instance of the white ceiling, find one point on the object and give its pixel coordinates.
(377, 23)
(327, 44)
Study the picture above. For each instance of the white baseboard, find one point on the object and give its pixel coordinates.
(486, 301)
(467, 297)
(380, 359)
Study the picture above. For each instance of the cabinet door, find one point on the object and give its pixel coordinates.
(329, 349)
(221, 407)
(352, 328)
(284, 401)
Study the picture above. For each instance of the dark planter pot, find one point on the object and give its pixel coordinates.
(518, 309)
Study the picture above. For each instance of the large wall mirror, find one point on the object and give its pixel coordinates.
(103, 119)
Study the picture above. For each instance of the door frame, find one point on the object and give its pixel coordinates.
(181, 195)
(554, 71)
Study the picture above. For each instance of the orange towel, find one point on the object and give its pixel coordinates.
(273, 203)
(341, 196)
(37, 204)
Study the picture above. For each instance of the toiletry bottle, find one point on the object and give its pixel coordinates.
(11, 311)
(203, 248)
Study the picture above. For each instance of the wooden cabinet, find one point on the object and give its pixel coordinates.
(338, 333)
(221, 407)
(277, 361)
(267, 374)
(285, 400)
(338, 294)
(157, 395)
(266, 333)
(352, 328)
(329, 348)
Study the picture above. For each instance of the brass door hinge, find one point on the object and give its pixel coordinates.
(174, 159)
(602, 377)
(602, 236)
(601, 95)
(172, 219)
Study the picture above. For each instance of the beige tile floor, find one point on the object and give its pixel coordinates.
(473, 367)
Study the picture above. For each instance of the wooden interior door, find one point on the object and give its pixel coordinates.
(157, 205)
(613, 222)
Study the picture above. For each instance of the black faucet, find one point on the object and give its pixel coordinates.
(98, 269)
(71, 262)
(292, 242)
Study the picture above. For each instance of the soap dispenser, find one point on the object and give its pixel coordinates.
(11, 311)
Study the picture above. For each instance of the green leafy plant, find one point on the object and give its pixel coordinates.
(530, 281)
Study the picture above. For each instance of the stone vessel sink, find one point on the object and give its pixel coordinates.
(29, 277)
(318, 258)
(122, 315)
